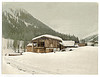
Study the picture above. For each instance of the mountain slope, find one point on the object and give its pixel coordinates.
(18, 24)
(92, 38)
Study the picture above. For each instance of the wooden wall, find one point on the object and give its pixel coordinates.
(39, 50)
(51, 43)
(48, 43)
(29, 49)
(82, 44)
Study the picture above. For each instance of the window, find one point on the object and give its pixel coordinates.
(35, 44)
(41, 44)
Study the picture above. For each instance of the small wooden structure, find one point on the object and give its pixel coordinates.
(82, 44)
(29, 47)
(44, 44)
(68, 44)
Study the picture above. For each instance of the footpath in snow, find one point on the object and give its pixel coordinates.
(82, 60)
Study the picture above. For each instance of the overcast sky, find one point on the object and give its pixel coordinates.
(80, 19)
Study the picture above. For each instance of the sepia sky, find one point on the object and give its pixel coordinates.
(80, 19)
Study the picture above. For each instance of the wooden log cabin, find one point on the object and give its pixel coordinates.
(44, 44)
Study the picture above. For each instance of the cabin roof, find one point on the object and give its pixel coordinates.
(30, 44)
(48, 36)
(68, 43)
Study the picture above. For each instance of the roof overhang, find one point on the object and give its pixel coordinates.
(48, 36)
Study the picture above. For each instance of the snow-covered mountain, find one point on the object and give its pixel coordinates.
(18, 24)
(93, 37)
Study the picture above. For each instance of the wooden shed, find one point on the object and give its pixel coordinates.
(29, 47)
(45, 44)
(82, 44)
(68, 43)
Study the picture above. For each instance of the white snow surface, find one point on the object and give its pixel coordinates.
(8, 69)
(82, 60)
(49, 36)
(35, 27)
(27, 24)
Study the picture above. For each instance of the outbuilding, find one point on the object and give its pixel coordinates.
(68, 44)
(29, 47)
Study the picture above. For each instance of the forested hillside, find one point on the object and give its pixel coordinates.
(18, 24)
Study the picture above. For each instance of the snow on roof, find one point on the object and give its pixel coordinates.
(49, 36)
(30, 44)
(68, 43)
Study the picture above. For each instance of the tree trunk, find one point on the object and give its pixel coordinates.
(18, 48)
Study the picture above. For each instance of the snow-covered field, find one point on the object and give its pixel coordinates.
(82, 60)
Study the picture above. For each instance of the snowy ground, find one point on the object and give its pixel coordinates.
(8, 69)
(82, 60)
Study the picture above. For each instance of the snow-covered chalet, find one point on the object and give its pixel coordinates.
(44, 44)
